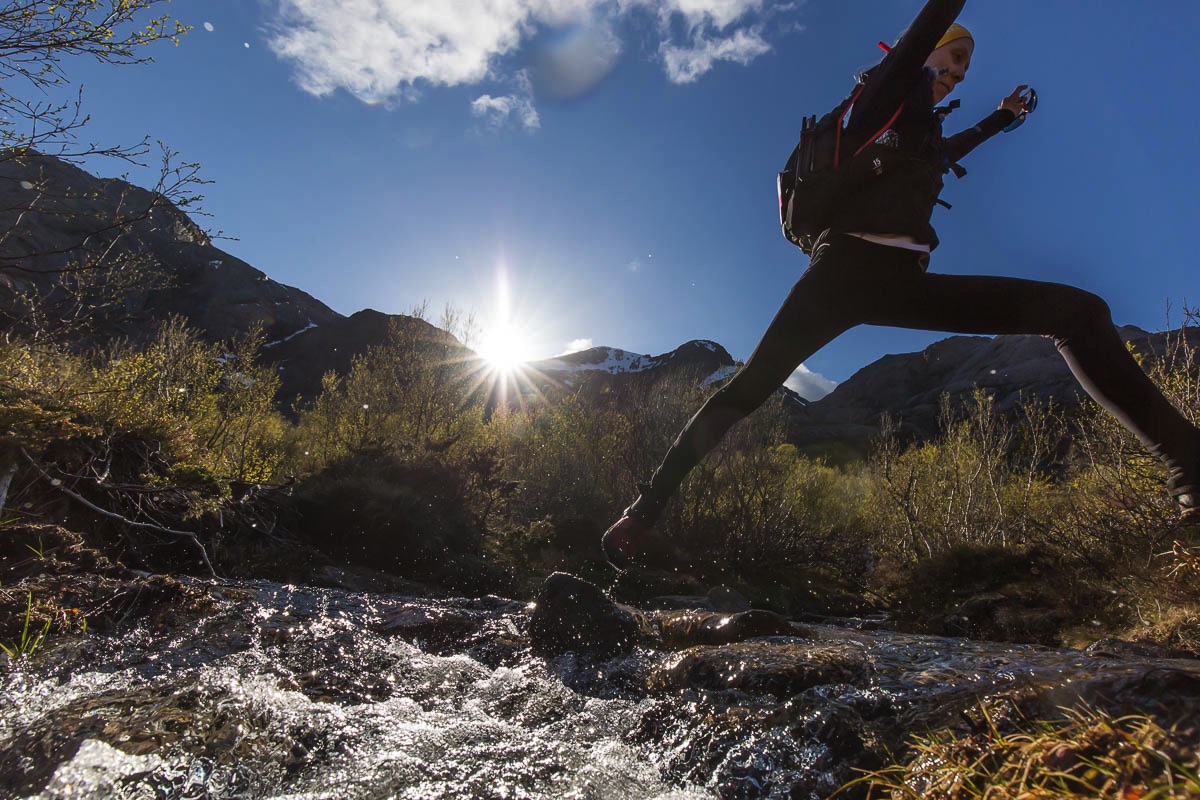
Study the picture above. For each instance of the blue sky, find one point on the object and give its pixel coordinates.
(603, 170)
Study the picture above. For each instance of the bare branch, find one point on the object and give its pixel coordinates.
(60, 486)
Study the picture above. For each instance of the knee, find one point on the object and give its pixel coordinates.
(1084, 312)
(744, 392)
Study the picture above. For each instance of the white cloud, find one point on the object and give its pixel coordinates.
(578, 345)
(391, 50)
(719, 14)
(519, 107)
(498, 110)
(808, 384)
(686, 64)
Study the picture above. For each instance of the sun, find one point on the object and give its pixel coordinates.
(505, 348)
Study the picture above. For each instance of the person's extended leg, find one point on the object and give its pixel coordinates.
(1081, 325)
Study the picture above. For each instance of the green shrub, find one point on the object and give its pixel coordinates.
(380, 511)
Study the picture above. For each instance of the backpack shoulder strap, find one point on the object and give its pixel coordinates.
(841, 121)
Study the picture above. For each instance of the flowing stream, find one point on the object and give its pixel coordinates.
(260, 690)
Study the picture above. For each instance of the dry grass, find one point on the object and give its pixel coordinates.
(1088, 754)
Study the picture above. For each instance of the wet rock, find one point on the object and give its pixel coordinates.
(1119, 648)
(30, 757)
(677, 602)
(437, 629)
(490, 602)
(1170, 693)
(719, 598)
(1007, 616)
(572, 615)
(776, 667)
(879, 621)
(361, 579)
(692, 628)
(722, 598)
(278, 628)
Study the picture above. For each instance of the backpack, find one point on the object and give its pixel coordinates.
(814, 177)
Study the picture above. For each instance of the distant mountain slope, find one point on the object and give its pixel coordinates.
(700, 356)
(305, 356)
(56, 220)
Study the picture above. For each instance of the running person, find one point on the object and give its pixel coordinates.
(869, 267)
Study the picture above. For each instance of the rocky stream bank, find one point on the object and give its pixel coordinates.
(151, 686)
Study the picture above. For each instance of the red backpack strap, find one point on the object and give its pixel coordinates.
(882, 130)
(837, 147)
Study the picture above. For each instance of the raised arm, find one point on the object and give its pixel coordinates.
(894, 77)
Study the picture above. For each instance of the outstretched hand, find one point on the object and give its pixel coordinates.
(1016, 102)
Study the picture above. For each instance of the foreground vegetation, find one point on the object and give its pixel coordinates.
(1040, 526)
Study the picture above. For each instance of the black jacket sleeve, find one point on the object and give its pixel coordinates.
(895, 77)
(958, 145)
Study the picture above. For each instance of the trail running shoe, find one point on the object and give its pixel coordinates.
(623, 542)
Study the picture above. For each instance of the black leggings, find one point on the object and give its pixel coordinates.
(853, 282)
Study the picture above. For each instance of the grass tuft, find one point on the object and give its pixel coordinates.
(30, 641)
(1088, 754)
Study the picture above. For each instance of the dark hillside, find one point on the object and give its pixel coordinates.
(75, 244)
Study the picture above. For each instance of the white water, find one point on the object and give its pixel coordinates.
(307, 694)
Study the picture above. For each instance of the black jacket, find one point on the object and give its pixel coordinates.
(901, 172)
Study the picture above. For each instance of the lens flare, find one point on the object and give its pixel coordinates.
(573, 60)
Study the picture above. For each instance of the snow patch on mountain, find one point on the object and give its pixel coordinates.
(598, 359)
(288, 338)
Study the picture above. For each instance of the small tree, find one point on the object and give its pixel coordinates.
(55, 288)
(35, 39)
(410, 395)
(1120, 513)
(981, 483)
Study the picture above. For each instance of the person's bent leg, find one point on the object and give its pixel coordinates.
(827, 300)
(816, 310)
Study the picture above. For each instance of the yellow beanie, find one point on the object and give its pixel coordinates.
(955, 31)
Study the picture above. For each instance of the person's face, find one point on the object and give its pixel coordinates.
(951, 60)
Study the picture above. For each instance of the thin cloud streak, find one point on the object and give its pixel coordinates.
(499, 110)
